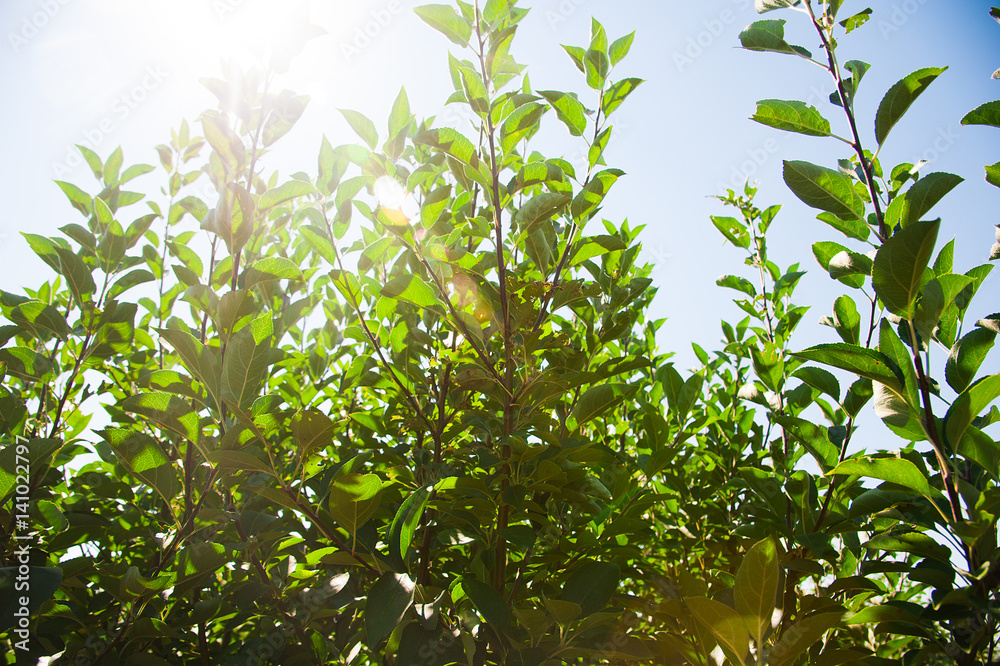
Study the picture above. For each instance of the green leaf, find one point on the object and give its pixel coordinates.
(851, 228)
(898, 271)
(620, 48)
(769, 35)
(617, 93)
(93, 161)
(791, 116)
(247, 359)
(594, 246)
(587, 202)
(145, 460)
(993, 174)
(412, 289)
(899, 98)
(852, 23)
(764, 6)
(201, 362)
(168, 411)
(77, 197)
(919, 199)
(455, 144)
(290, 190)
(286, 110)
(43, 583)
(597, 67)
(734, 230)
(592, 586)
(53, 516)
(860, 360)
(577, 54)
(243, 461)
(405, 524)
(386, 605)
(354, 499)
(25, 364)
(894, 470)
(815, 439)
(447, 21)
(320, 242)
(984, 114)
(825, 189)
(594, 402)
(399, 116)
(981, 448)
(967, 356)
(538, 209)
(846, 320)
(801, 635)
(112, 166)
(271, 268)
(937, 296)
(820, 380)
(725, 624)
(66, 263)
(968, 406)
(362, 126)
(40, 320)
(312, 430)
(488, 602)
(568, 109)
(233, 217)
(225, 142)
(756, 588)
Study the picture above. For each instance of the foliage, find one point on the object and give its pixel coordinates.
(410, 409)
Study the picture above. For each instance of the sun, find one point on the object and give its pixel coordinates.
(192, 36)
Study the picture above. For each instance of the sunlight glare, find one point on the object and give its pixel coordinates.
(193, 36)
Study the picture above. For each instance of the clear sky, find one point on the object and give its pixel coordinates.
(124, 72)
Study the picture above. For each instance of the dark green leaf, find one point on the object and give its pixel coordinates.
(247, 359)
(769, 35)
(538, 209)
(791, 116)
(488, 602)
(894, 470)
(756, 588)
(967, 357)
(592, 586)
(825, 189)
(860, 360)
(801, 635)
(919, 199)
(385, 605)
(985, 114)
(899, 267)
(899, 98)
(405, 524)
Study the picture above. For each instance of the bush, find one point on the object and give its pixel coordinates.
(409, 409)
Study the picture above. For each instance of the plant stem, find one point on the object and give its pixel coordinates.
(848, 105)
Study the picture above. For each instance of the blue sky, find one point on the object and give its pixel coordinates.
(124, 72)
